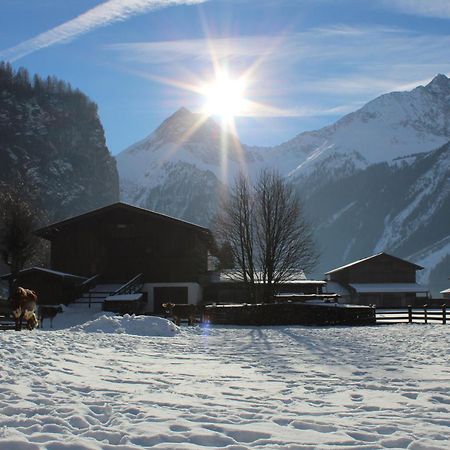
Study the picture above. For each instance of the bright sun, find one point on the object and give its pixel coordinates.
(224, 97)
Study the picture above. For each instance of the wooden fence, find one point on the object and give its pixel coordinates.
(411, 314)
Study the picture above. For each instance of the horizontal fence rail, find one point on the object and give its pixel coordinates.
(412, 314)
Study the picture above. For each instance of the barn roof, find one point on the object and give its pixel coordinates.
(48, 231)
(50, 272)
(359, 261)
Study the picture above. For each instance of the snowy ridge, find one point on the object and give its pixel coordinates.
(391, 126)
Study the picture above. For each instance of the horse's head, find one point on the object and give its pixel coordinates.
(22, 294)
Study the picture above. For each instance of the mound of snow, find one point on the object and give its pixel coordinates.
(136, 325)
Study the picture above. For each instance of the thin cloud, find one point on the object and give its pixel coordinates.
(294, 45)
(365, 61)
(100, 16)
(428, 8)
(305, 111)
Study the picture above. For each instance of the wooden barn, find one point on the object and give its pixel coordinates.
(120, 241)
(382, 280)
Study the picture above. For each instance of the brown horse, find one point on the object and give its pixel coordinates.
(24, 306)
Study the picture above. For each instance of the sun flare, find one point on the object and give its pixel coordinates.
(224, 97)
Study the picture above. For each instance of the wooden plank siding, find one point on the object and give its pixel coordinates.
(121, 241)
(382, 269)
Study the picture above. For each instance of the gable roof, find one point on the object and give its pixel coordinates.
(359, 261)
(48, 231)
(50, 272)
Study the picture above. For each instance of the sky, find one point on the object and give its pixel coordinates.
(304, 63)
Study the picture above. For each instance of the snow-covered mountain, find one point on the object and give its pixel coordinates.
(391, 126)
(182, 167)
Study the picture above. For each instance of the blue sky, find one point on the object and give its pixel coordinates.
(312, 61)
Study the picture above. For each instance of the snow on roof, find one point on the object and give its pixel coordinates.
(321, 303)
(49, 271)
(44, 232)
(388, 287)
(297, 277)
(354, 263)
(447, 291)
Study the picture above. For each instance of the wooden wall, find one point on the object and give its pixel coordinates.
(119, 244)
(382, 269)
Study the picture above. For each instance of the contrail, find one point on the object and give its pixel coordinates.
(100, 16)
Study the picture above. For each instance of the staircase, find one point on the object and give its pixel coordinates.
(97, 294)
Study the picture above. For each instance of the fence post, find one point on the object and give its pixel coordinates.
(444, 314)
(409, 313)
(425, 315)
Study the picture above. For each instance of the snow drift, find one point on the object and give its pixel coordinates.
(136, 325)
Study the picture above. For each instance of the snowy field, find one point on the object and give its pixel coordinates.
(226, 387)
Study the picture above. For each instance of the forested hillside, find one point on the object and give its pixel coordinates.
(51, 139)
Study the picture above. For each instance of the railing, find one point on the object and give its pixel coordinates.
(412, 314)
(96, 297)
(89, 283)
(133, 286)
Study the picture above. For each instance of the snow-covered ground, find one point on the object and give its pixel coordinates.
(227, 387)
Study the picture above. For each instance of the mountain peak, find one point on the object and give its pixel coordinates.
(182, 112)
(439, 83)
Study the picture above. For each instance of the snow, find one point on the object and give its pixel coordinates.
(136, 325)
(75, 314)
(431, 256)
(393, 126)
(227, 387)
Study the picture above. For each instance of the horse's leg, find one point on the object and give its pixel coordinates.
(17, 313)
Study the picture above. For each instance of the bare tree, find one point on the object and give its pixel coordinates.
(235, 225)
(18, 220)
(284, 237)
(269, 236)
